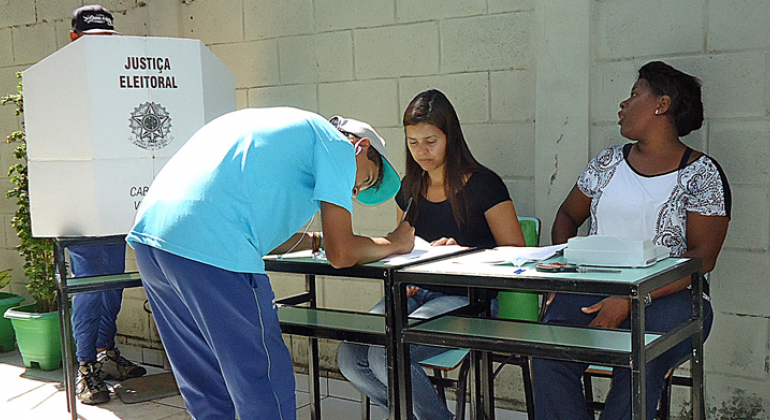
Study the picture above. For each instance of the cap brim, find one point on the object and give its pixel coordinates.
(388, 187)
(100, 31)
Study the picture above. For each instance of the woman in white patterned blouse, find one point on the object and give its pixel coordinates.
(656, 188)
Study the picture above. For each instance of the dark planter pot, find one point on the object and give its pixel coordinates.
(38, 335)
(7, 336)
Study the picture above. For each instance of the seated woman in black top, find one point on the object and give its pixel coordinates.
(456, 200)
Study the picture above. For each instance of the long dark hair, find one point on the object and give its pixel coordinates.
(433, 107)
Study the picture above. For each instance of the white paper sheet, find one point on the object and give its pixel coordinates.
(422, 250)
(516, 255)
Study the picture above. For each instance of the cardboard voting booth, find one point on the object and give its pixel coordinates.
(103, 115)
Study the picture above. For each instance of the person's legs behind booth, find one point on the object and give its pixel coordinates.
(94, 323)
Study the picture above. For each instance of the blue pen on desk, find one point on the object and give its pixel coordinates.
(408, 205)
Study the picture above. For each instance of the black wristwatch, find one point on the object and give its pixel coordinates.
(647, 300)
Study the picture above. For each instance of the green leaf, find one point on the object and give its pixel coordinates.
(5, 277)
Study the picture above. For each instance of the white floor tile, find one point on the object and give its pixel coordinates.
(31, 394)
(343, 389)
(333, 408)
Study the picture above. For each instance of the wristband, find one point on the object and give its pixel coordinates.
(314, 242)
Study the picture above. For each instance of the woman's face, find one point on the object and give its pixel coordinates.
(637, 111)
(427, 145)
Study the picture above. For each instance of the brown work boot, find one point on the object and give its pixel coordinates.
(117, 367)
(90, 385)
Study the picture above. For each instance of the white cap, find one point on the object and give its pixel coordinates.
(390, 182)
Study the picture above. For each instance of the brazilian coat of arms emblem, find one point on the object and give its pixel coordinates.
(150, 125)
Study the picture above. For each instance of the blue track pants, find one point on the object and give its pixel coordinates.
(558, 387)
(94, 314)
(221, 334)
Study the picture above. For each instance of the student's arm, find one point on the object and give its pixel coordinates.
(504, 224)
(575, 209)
(344, 248)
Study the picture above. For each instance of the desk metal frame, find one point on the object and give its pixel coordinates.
(634, 283)
(80, 285)
(320, 267)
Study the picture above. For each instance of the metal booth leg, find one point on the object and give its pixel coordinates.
(65, 317)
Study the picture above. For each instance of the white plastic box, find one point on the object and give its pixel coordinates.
(103, 115)
(611, 251)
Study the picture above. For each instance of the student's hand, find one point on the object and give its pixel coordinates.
(444, 241)
(411, 290)
(611, 311)
(402, 238)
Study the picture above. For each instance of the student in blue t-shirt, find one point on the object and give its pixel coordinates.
(240, 189)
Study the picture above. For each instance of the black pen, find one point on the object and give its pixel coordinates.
(408, 205)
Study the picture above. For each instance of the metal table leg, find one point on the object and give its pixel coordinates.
(482, 386)
(399, 360)
(313, 359)
(487, 386)
(638, 365)
(697, 391)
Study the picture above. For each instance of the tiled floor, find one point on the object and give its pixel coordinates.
(30, 394)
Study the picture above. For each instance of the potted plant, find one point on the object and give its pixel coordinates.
(37, 325)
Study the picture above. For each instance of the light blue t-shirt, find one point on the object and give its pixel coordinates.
(243, 184)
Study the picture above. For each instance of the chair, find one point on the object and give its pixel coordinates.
(664, 407)
(521, 305)
(513, 305)
(518, 305)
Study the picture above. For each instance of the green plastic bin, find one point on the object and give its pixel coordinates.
(7, 336)
(38, 335)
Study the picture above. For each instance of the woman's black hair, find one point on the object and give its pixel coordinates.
(686, 110)
(432, 107)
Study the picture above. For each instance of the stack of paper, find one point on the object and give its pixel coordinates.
(422, 250)
(516, 255)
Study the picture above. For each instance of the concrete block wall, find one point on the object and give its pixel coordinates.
(723, 43)
(536, 85)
